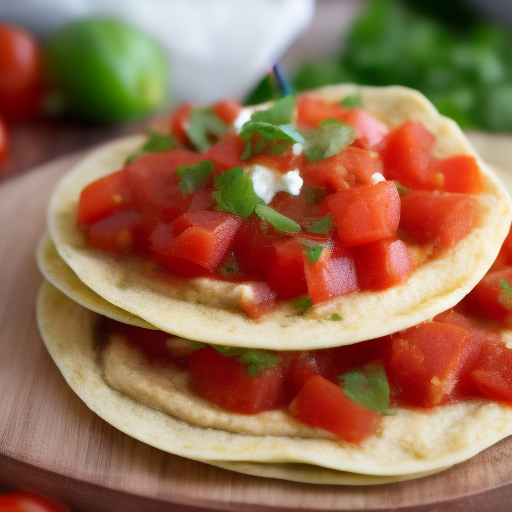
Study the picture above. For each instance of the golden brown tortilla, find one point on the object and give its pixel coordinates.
(206, 310)
(408, 444)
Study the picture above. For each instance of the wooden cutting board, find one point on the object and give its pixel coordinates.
(51, 443)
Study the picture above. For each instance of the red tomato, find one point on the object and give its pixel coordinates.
(261, 302)
(28, 502)
(227, 110)
(224, 381)
(322, 404)
(406, 154)
(4, 142)
(455, 174)
(226, 153)
(383, 263)
(442, 219)
(179, 121)
(367, 213)
(122, 232)
(20, 74)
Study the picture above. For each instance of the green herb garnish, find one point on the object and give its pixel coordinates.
(403, 191)
(321, 227)
(302, 304)
(235, 193)
(273, 139)
(277, 220)
(351, 101)
(203, 126)
(336, 317)
(257, 360)
(156, 142)
(505, 298)
(193, 176)
(279, 113)
(313, 251)
(329, 139)
(368, 387)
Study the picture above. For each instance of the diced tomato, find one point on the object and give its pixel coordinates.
(225, 382)
(227, 110)
(226, 153)
(311, 111)
(333, 275)
(285, 162)
(367, 213)
(322, 404)
(285, 268)
(369, 129)
(102, 198)
(179, 122)
(298, 208)
(491, 373)
(383, 263)
(406, 154)
(442, 219)
(455, 174)
(202, 244)
(489, 300)
(122, 232)
(505, 255)
(426, 361)
(261, 302)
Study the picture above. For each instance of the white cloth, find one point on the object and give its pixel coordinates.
(216, 48)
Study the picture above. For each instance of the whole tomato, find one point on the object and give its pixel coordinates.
(27, 502)
(21, 88)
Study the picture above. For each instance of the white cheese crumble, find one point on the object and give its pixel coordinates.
(377, 178)
(267, 182)
(297, 149)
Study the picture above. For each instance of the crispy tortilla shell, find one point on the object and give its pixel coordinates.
(207, 310)
(410, 443)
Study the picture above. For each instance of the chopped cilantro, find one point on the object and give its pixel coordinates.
(257, 360)
(369, 388)
(329, 139)
(196, 345)
(403, 191)
(279, 113)
(336, 317)
(505, 297)
(235, 193)
(204, 123)
(351, 101)
(273, 139)
(302, 304)
(277, 220)
(313, 251)
(156, 142)
(193, 176)
(322, 226)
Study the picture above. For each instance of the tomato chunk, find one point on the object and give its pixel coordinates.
(227, 110)
(179, 121)
(322, 404)
(225, 382)
(365, 214)
(406, 154)
(201, 239)
(261, 301)
(369, 129)
(383, 263)
(102, 198)
(455, 174)
(122, 232)
(442, 219)
(426, 361)
(226, 153)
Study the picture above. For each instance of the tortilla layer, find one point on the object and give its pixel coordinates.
(411, 442)
(205, 310)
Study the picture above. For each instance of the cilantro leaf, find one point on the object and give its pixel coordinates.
(329, 139)
(156, 142)
(403, 191)
(279, 113)
(277, 220)
(351, 101)
(322, 226)
(505, 298)
(256, 359)
(369, 388)
(193, 176)
(282, 136)
(336, 317)
(313, 251)
(203, 124)
(302, 304)
(235, 193)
